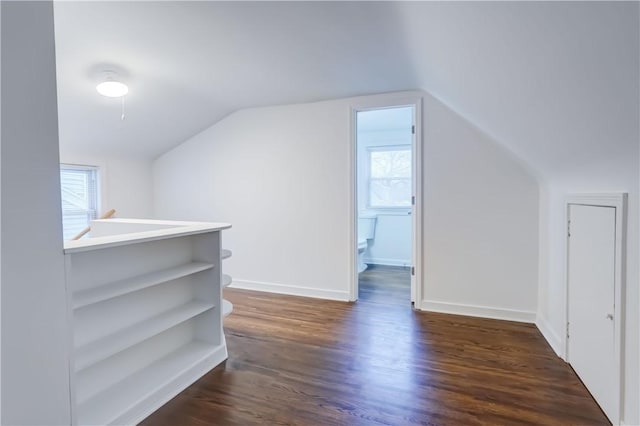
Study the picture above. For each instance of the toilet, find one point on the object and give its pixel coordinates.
(366, 233)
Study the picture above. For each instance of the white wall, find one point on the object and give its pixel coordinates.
(0, 224)
(603, 159)
(392, 241)
(126, 183)
(592, 147)
(480, 222)
(280, 176)
(35, 342)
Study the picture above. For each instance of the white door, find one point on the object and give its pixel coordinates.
(591, 331)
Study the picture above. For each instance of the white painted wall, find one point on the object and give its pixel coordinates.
(480, 222)
(126, 183)
(35, 342)
(600, 154)
(0, 223)
(392, 242)
(280, 176)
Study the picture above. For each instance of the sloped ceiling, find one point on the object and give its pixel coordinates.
(552, 82)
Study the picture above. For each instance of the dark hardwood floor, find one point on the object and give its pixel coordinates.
(302, 361)
(388, 285)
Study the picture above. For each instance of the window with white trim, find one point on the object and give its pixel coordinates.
(389, 176)
(79, 188)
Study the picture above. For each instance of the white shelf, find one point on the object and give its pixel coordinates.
(107, 291)
(227, 307)
(140, 341)
(226, 280)
(101, 349)
(129, 401)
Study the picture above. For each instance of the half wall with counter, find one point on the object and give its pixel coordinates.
(146, 311)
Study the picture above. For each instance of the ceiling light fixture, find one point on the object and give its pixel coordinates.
(112, 88)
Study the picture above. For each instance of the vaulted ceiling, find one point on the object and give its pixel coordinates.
(552, 82)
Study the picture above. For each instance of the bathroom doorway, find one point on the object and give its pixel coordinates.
(385, 206)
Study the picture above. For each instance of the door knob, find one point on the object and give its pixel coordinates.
(610, 316)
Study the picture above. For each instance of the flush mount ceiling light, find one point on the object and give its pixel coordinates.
(112, 88)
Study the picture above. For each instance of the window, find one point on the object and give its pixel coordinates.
(390, 176)
(79, 187)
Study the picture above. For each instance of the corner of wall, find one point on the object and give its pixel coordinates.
(551, 337)
(525, 165)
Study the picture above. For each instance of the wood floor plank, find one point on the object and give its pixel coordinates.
(302, 361)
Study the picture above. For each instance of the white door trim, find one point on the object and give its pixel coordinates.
(619, 202)
(376, 102)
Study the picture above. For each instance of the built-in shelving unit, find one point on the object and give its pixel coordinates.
(146, 315)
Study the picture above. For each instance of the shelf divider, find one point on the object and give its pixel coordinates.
(226, 280)
(118, 288)
(101, 349)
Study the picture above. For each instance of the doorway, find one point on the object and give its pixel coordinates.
(595, 320)
(386, 202)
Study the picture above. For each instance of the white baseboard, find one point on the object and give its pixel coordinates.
(478, 311)
(386, 261)
(293, 290)
(547, 332)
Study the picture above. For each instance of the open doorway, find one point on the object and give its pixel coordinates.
(385, 187)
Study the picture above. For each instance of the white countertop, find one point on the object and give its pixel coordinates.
(169, 229)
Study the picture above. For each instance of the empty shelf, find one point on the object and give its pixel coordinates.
(226, 280)
(225, 254)
(107, 346)
(127, 400)
(118, 288)
(227, 307)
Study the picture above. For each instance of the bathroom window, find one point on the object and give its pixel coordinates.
(389, 176)
(79, 188)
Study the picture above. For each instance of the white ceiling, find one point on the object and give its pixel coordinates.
(550, 81)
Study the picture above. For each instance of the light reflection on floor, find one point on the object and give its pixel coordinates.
(391, 350)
